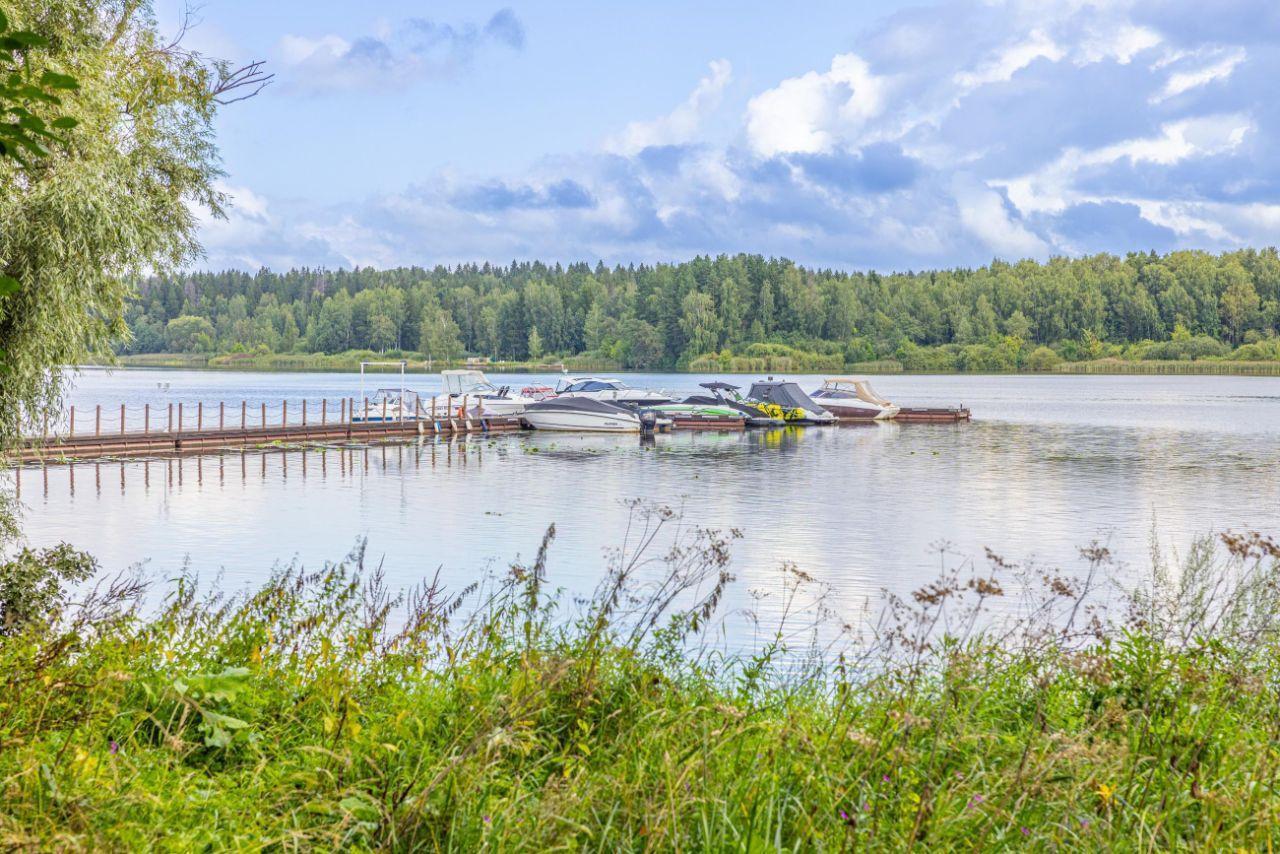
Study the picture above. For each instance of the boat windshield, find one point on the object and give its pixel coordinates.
(593, 385)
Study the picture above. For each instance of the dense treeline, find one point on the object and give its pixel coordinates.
(1002, 316)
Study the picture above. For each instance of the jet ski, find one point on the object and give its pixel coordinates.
(724, 394)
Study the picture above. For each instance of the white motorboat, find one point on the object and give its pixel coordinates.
(481, 397)
(853, 398)
(581, 413)
(610, 391)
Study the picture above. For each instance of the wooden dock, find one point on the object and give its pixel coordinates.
(932, 416)
(178, 428)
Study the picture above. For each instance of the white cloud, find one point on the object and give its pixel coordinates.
(1184, 81)
(808, 114)
(1011, 59)
(1051, 188)
(984, 214)
(682, 124)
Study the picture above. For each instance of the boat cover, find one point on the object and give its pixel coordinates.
(788, 395)
(578, 404)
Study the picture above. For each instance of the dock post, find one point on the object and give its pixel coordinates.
(264, 415)
(146, 419)
(200, 416)
(170, 430)
(222, 416)
(324, 412)
(384, 411)
(466, 416)
(366, 412)
(284, 414)
(304, 413)
(73, 422)
(97, 420)
(244, 424)
(179, 417)
(122, 419)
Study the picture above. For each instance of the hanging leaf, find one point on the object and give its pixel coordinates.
(9, 285)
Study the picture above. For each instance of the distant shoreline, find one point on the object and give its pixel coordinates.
(320, 363)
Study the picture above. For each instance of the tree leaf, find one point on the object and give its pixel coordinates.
(9, 285)
(65, 122)
(58, 81)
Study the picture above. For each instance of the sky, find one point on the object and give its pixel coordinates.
(870, 135)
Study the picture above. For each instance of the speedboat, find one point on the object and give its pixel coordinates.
(724, 394)
(388, 405)
(611, 391)
(795, 406)
(852, 397)
(481, 396)
(581, 413)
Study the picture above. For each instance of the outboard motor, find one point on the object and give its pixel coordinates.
(648, 420)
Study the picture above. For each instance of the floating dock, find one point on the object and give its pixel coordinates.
(932, 415)
(178, 428)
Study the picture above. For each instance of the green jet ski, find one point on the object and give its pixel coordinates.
(726, 395)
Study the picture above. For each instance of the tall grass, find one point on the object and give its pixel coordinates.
(1000, 706)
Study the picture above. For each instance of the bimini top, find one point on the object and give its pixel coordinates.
(719, 386)
(578, 404)
(466, 382)
(783, 393)
(852, 387)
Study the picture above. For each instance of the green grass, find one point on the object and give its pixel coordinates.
(322, 712)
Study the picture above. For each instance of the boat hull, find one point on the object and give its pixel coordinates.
(858, 412)
(590, 422)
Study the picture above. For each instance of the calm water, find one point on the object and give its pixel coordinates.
(1048, 464)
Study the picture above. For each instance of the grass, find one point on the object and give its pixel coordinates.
(321, 711)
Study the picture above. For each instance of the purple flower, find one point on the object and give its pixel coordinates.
(844, 815)
(1084, 823)
(885, 778)
(1026, 832)
(115, 748)
(866, 807)
(975, 800)
(487, 819)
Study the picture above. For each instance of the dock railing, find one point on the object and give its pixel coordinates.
(183, 424)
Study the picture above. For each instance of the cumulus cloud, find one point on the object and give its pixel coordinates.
(417, 48)
(682, 124)
(948, 134)
(808, 114)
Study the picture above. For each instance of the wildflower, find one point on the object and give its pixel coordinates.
(885, 778)
(487, 819)
(115, 748)
(1106, 792)
(975, 801)
(1026, 832)
(1084, 824)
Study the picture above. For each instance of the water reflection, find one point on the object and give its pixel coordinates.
(859, 507)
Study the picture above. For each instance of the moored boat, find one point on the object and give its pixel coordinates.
(795, 406)
(611, 391)
(852, 398)
(724, 394)
(481, 397)
(387, 405)
(581, 413)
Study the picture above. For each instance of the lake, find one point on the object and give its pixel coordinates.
(1049, 464)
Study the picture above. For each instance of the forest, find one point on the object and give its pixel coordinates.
(707, 311)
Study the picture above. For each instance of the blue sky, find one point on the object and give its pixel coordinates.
(886, 135)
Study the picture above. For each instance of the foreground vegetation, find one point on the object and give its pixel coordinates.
(744, 309)
(997, 707)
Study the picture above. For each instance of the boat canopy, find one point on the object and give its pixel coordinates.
(466, 382)
(719, 386)
(786, 394)
(858, 387)
(578, 404)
